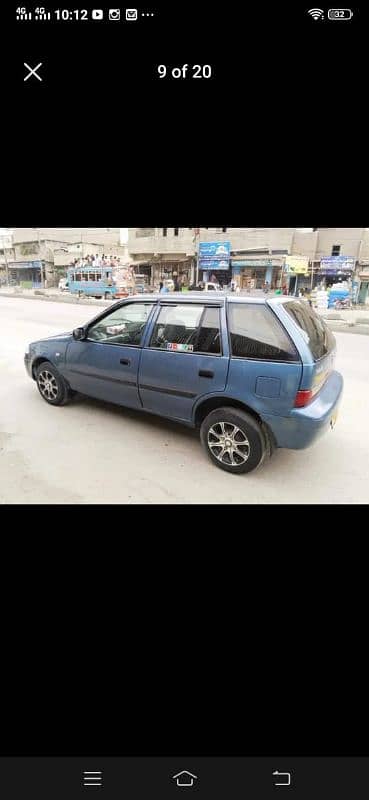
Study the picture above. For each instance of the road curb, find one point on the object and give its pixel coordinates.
(347, 327)
(53, 298)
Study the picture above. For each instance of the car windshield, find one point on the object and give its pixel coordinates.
(315, 331)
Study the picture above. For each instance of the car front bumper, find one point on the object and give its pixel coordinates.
(28, 364)
(305, 425)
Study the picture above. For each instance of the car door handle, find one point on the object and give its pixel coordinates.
(206, 373)
(125, 361)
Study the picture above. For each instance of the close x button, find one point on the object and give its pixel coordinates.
(32, 72)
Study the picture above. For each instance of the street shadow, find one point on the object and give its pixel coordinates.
(152, 421)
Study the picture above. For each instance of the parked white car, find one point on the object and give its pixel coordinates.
(212, 287)
(63, 284)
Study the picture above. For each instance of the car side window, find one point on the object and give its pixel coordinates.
(125, 325)
(187, 329)
(256, 333)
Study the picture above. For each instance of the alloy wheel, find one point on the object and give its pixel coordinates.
(228, 443)
(48, 385)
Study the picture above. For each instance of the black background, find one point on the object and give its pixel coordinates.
(173, 631)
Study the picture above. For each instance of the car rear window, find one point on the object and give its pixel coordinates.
(316, 332)
(256, 333)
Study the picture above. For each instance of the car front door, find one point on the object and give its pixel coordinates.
(105, 363)
(183, 359)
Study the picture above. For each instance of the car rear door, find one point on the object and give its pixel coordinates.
(265, 367)
(182, 358)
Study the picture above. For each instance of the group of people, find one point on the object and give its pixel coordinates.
(94, 261)
(163, 288)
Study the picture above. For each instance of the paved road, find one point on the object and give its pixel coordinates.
(93, 452)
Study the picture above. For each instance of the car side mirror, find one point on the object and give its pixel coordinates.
(78, 334)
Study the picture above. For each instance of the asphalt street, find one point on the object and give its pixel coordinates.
(94, 452)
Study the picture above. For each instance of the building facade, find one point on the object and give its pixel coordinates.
(258, 255)
(31, 262)
(108, 237)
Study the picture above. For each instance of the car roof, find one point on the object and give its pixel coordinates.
(205, 298)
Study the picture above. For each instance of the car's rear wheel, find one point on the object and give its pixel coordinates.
(233, 440)
(51, 385)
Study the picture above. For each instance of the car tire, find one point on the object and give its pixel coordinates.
(242, 444)
(51, 385)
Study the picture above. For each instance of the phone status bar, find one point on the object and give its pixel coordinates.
(42, 14)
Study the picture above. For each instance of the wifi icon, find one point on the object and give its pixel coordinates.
(316, 13)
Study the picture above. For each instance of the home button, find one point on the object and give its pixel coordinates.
(185, 779)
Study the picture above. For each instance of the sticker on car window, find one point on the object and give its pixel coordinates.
(183, 348)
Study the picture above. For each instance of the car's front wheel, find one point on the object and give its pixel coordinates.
(51, 385)
(233, 440)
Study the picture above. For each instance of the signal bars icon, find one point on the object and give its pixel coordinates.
(92, 779)
(316, 13)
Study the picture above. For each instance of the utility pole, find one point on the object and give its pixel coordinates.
(39, 253)
(197, 248)
(5, 239)
(6, 266)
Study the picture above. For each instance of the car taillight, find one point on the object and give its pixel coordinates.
(303, 397)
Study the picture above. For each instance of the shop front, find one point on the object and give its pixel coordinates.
(215, 272)
(170, 270)
(27, 274)
(143, 270)
(333, 270)
(363, 294)
(249, 274)
(296, 274)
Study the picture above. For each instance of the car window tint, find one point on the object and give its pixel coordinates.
(125, 325)
(208, 338)
(316, 332)
(188, 329)
(256, 333)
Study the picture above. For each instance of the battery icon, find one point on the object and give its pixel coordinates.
(339, 13)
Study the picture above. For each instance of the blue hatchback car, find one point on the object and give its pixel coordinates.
(250, 373)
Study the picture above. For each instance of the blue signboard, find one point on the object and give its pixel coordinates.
(25, 264)
(214, 250)
(213, 263)
(334, 264)
(264, 262)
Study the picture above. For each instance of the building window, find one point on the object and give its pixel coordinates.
(165, 231)
(336, 249)
(176, 231)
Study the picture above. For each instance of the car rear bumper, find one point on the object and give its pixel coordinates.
(305, 425)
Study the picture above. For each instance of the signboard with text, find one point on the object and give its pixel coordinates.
(297, 265)
(213, 263)
(215, 250)
(24, 264)
(333, 264)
